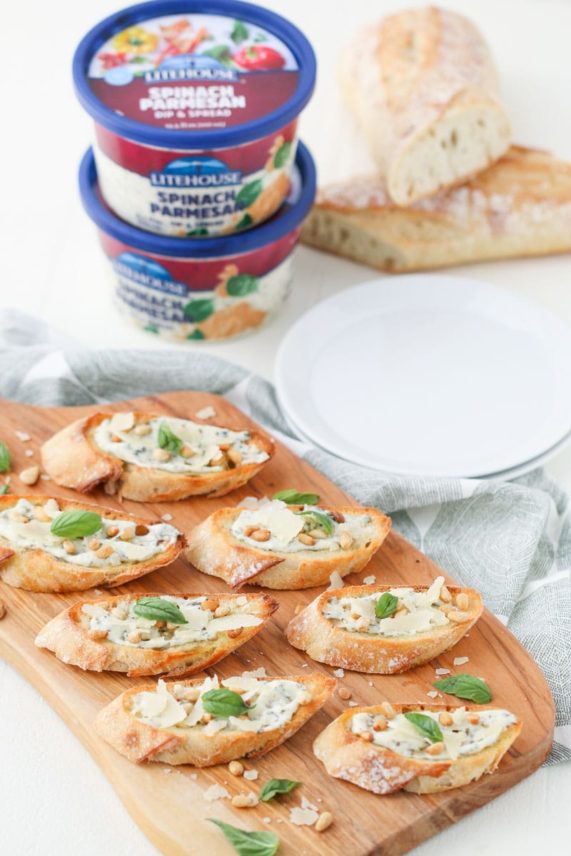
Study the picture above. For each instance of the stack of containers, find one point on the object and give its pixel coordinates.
(196, 180)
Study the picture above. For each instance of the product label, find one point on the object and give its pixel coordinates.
(193, 72)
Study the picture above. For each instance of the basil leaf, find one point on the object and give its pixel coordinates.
(239, 32)
(241, 284)
(276, 787)
(198, 310)
(281, 157)
(223, 703)
(244, 222)
(168, 439)
(294, 497)
(221, 53)
(5, 459)
(76, 524)
(151, 328)
(386, 605)
(196, 334)
(249, 843)
(427, 726)
(158, 609)
(248, 194)
(465, 686)
(199, 232)
(319, 520)
(4, 489)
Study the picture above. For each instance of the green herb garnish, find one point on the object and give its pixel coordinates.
(293, 497)
(249, 843)
(241, 285)
(5, 459)
(244, 222)
(168, 439)
(76, 524)
(248, 194)
(386, 605)
(281, 157)
(224, 703)
(198, 310)
(427, 726)
(4, 489)
(276, 787)
(319, 520)
(465, 686)
(158, 609)
(239, 32)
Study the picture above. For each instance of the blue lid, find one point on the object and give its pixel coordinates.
(289, 216)
(123, 66)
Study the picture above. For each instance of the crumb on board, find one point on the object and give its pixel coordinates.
(339, 673)
(23, 436)
(335, 581)
(304, 814)
(459, 661)
(216, 792)
(442, 671)
(251, 775)
(370, 580)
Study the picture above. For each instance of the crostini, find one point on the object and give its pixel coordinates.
(153, 634)
(384, 629)
(206, 721)
(51, 544)
(271, 543)
(151, 458)
(419, 748)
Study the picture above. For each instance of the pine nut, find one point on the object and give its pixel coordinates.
(235, 632)
(134, 636)
(388, 709)
(462, 600)
(210, 604)
(16, 517)
(456, 616)
(366, 735)
(261, 535)
(111, 531)
(248, 530)
(235, 768)
(344, 693)
(30, 476)
(221, 611)
(306, 539)
(69, 547)
(234, 456)
(192, 693)
(324, 821)
(122, 421)
(94, 544)
(161, 455)
(345, 540)
(218, 461)
(435, 749)
(97, 635)
(317, 533)
(224, 446)
(127, 534)
(445, 595)
(41, 514)
(446, 719)
(104, 552)
(187, 452)
(337, 516)
(245, 800)
(474, 719)
(380, 724)
(141, 529)
(142, 429)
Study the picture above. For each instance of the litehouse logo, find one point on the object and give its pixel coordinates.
(197, 172)
(189, 67)
(147, 273)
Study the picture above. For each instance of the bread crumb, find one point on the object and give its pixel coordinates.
(353, 704)
(305, 814)
(459, 661)
(29, 453)
(30, 476)
(23, 436)
(369, 581)
(339, 673)
(335, 581)
(216, 792)
(433, 693)
(371, 684)
(442, 671)
(45, 477)
(206, 413)
(267, 819)
(251, 775)
(166, 517)
(305, 665)
(193, 776)
(255, 673)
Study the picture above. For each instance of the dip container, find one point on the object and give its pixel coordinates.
(195, 106)
(201, 288)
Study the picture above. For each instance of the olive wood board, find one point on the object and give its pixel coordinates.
(168, 803)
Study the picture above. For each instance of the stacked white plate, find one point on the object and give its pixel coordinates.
(429, 375)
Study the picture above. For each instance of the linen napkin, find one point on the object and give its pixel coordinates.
(510, 540)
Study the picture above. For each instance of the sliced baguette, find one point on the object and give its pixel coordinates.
(139, 741)
(68, 636)
(424, 90)
(347, 755)
(214, 550)
(324, 640)
(35, 569)
(73, 459)
(521, 206)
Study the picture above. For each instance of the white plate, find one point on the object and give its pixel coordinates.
(428, 375)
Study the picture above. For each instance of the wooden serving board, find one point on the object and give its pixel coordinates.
(168, 803)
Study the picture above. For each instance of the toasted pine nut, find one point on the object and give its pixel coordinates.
(261, 535)
(235, 456)
(115, 438)
(111, 531)
(69, 547)
(104, 552)
(224, 446)
(94, 544)
(457, 616)
(344, 693)
(462, 600)
(127, 534)
(161, 455)
(142, 429)
(388, 709)
(324, 821)
(306, 539)
(235, 632)
(380, 724)
(134, 636)
(97, 635)
(445, 595)
(122, 421)
(248, 530)
(218, 461)
(192, 693)
(30, 475)
(435, 749)
(41, 514)
(474, 719)
(141, 529)
(209, 604)
(187, 452)
(245, 800)
(235, 768)
(16, 517)
(337, 516)
(445, 719)
(345, 540)
(206, 717)
(366, 735)
(221, 611)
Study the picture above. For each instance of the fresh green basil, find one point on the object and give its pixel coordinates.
(151, 328)
(319, 520)
(224, 703)
(241, 285)
(248, 194)
(76, 524)
(5, 459)
(158, 609)
(465, 686)
(4, 489)
(294, 497)
(276, 787)
(246, 221)
(199, 232)
(168, 439)
(427, 726)
(281, 157)
(239, 32)
(386, 605)
(249, 843)
(221, 53)
(196, 334)
(198, 310)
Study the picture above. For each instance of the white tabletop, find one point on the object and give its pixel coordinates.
(55, 799)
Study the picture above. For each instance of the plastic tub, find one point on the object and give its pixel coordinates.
(195, 106)
(210, 288)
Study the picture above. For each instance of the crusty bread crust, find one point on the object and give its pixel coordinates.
(423, 87)
(36, 570)
(327, 643)
(347, 756)
(141, 742)
(72, 459)
(71, 643)
(521, 206)
(213, 550)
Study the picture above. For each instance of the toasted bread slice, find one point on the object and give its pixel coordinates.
(124, 548)
(340, 626)
(221, 547)
(147, 723)
(107, 635)
(384, 753)
(135, 454)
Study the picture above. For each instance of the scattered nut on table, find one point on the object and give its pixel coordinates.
(30, 475)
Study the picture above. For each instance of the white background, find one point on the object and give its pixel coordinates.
(54, 799)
